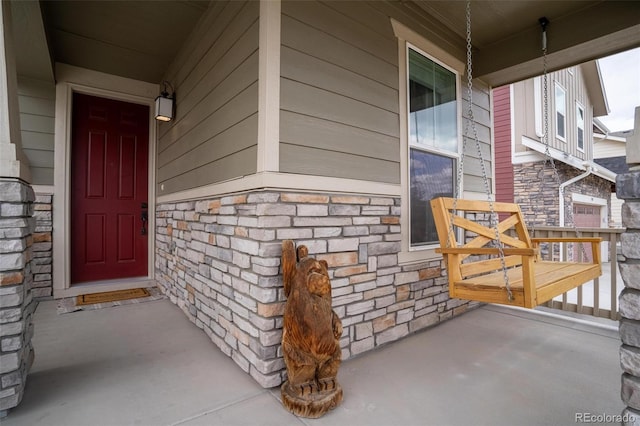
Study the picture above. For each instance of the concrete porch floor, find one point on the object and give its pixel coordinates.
(146, 364)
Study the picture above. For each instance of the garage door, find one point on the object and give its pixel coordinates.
(585, 216)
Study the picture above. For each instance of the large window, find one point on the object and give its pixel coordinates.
(433, 141)
(561, 112)
(580, 126)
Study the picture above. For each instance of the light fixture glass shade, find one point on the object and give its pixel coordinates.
(164, 108)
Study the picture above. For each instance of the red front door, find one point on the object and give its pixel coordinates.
(109, 185)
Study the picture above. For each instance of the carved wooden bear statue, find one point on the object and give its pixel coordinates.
(311, 335)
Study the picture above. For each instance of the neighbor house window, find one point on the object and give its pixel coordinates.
(580, 126)
(561, 113)
(433, 141)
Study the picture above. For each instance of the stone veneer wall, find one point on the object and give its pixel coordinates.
(536, 191)
(628, 189)
(16, 298)
(539, 201)
(42, 247)
(219, 260)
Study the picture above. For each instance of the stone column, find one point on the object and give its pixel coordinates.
(16, 229)
(628, 189)
(16, 301)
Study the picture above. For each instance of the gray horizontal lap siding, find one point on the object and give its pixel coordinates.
(339, 92)
(473, 180)
(37, 115)
(214, 135)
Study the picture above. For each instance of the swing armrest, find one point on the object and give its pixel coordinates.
(566, 240)
(594, 241)
(488, 250)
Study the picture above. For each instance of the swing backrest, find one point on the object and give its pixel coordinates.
(474, 221)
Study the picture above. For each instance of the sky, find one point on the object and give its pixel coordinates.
(621, 78)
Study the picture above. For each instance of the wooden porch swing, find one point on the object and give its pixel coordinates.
(501, 263)
(530, 280)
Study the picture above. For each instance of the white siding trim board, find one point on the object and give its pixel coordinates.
(268, 154)
(285, 182)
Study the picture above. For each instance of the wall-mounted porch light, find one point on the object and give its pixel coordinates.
(164, 103)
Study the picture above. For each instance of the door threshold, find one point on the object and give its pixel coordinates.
(102, 286)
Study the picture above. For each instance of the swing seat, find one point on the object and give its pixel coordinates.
(532, 281)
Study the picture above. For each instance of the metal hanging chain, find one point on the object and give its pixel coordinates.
(545, 102)
(548, 158)
(493, 218)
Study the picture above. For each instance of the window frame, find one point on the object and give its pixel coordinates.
(434, 150)
(557, 87)
(444, 57)
(579, 108)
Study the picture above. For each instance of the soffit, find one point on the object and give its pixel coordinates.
(507, 37)
(139, 39)
(135, 39)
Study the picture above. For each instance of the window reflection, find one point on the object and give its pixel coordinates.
(431, 176)
(432, 104)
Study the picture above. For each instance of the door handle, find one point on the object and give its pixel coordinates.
(144, 216)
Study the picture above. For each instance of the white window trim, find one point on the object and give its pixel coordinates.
(409, 38)
(555, 111)
(579, 107)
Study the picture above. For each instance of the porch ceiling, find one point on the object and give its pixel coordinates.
(135, 39)
(138, 39)
(506, 35)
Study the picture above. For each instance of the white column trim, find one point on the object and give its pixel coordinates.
(269, 87)
(13, 162)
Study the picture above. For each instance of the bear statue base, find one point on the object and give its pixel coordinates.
(311, 402)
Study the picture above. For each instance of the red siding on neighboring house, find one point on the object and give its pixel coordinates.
(502, 129)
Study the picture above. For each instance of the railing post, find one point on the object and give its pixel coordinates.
(614, 277)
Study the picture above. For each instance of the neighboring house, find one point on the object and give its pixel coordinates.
(575, 95)
(329, 123)
(609, 151)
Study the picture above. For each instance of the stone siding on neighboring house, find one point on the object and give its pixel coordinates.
(536, 191)
(219, 260)
(16, 298)
(42, 247)
(539, 199)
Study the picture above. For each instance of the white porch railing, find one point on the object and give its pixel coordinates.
(598, 298)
